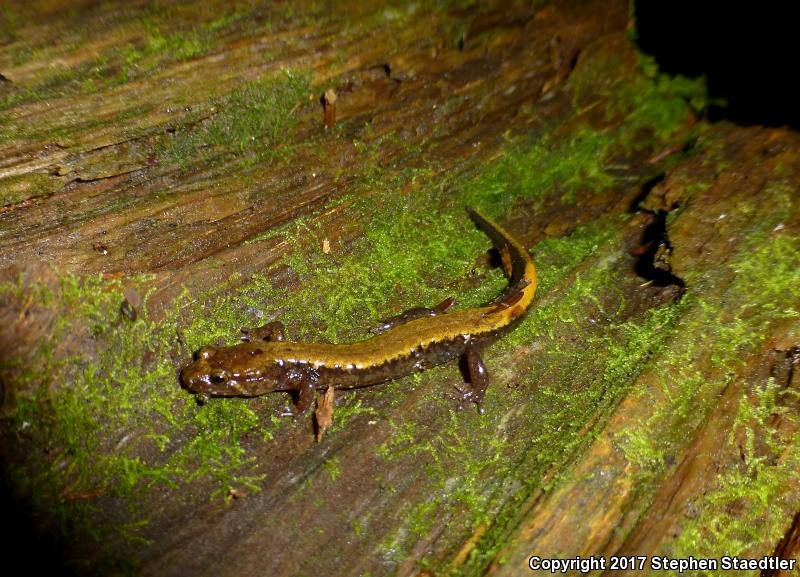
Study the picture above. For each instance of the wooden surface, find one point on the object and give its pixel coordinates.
(171, 159)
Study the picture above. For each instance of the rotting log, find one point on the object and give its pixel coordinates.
(167, 178)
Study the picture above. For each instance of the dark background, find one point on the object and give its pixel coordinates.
(749, 54)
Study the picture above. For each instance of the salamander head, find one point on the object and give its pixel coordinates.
(240, 370)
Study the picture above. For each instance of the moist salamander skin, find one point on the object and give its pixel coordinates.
(413, 341)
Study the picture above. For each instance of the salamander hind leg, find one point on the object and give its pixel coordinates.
(273, 331)
(413, 314)
(478, 378)
(323, 416)
(305, 396)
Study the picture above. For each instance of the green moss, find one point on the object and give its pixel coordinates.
(116, 413)
(538, 167)
(251, 123)
(743, 511)
(647, 99)
(332, 467)
(418, 250)
(55, 82)
(660, 101)
(162, 45)
(460, 463)
(9, 23)
(530, 169)
(127, 428)
(347, 410)
(766, 277)
(14, 189)
(556, 413)
(171, 34)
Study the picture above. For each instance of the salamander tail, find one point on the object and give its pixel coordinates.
(517, 263)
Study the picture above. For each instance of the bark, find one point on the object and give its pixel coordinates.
(171, 173)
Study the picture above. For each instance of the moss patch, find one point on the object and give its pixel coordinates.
(124, 429)
(117, 429)
(153, 38)
(479, 471)
(742, 512)
(250, 123)
(751, 503)
(14, 189)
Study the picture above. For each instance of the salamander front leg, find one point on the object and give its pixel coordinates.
(301, 384)
(305, 391)
(269, 332)
(478, 378)
(413, 314)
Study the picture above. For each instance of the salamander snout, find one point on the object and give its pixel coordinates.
(204, 380)
(203, 377)
(238, 370)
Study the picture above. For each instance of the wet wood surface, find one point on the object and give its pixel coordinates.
(175, 156)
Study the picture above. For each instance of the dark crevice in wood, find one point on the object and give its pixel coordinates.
(787, 547)
(654, 253)
(647, 187)
(784, 365)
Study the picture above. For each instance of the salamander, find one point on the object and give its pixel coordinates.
(410, 342)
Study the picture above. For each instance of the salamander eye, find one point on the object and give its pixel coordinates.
(219, 377)
(206, 352)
